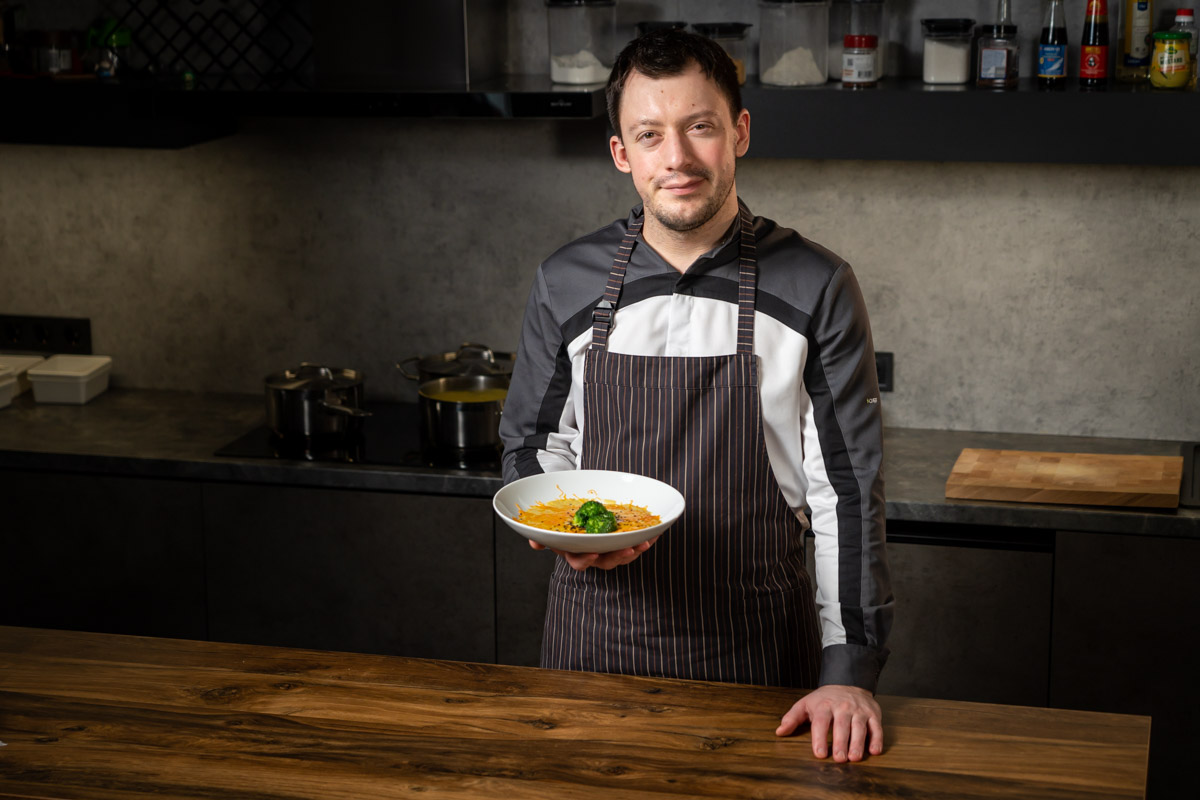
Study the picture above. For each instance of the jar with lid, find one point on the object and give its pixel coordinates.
(859, 59)
(793, 43)
(648, 25)
(999, 50)
(1171, 64)
(732, 38)
(582, 40)
(947, 50)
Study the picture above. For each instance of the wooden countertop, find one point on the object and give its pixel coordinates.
(99, 716)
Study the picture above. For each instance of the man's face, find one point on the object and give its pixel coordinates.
(680, 144)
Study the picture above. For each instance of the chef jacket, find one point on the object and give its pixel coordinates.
(819, 392)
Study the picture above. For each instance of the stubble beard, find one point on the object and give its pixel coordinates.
(688, 218)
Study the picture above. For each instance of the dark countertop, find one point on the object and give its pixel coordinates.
(172, 434)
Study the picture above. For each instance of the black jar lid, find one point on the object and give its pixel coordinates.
(947, 26)
(722, 30)
(580, 2)
(998, 31)
(648, 25)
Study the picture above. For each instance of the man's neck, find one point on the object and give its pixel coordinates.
(680, 249)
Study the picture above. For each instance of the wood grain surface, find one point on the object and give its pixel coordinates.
(1027, 476)
(100, 716)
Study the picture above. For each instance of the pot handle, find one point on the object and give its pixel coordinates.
(345, 411)
(401, 365)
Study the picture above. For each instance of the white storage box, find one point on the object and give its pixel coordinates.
(8, 386)
(20, 365)
(69, 379)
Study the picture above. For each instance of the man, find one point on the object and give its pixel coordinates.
(737, 367)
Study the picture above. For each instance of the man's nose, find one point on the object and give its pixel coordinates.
(676, 150)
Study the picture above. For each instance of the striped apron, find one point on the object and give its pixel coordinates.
(723, 595)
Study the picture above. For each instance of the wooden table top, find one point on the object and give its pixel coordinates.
(98, 716)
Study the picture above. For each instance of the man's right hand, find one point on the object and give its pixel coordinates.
(581, 561)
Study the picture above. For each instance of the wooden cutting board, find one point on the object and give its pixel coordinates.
(1026, 476)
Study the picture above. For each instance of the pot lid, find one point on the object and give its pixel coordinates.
(470, 359)
(314, 377)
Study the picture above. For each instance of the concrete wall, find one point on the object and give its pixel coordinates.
(1034, 298)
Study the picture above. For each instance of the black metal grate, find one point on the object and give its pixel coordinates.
(246, 45)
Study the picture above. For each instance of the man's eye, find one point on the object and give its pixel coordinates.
(646, 136)
(702, 127)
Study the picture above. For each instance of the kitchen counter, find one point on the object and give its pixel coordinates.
(170, 434)
(95, 715)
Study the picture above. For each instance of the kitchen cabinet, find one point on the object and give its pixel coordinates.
(1127, 639)
(522, 580)
(102, 553)
(372, 572)
(972, 613)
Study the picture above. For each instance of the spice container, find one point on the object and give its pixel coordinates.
(947, 57)
(70, 379)
(732, 38)
(582, 35)
(1171, 65)
(859, 61)
(998, 53)
(793, 43)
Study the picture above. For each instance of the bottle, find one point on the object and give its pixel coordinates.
(1137, 23)
(1093, 46)
(1185, 22)
(1052, 48)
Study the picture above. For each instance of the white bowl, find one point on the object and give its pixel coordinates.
(606, 486)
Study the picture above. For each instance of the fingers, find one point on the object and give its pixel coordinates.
(616, 558)
(858, 738)
(536, 545)
(821, 717)
(793, 719)
(876, 727)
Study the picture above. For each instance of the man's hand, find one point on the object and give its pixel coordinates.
(853, 713)
(581, 561)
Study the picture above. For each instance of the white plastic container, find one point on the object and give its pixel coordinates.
(8, 386)
(20, 365)
(793, 44)
(70, 379)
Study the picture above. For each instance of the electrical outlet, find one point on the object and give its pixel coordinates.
(884, 368)
(46, 334)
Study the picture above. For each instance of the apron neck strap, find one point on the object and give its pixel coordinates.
(602, 314)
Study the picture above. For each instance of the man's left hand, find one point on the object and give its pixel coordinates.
(852, 712)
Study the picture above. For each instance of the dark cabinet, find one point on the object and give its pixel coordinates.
(1127, 640)
(102, 553)
(522, 579)
(370, 572)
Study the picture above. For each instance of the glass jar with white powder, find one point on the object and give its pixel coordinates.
(793, 42)
(582, 37)
(947, 57)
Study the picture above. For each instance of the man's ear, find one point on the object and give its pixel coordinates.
(743, 132)
(619, 157)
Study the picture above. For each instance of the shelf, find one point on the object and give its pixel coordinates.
(907, 120)
(902, 120)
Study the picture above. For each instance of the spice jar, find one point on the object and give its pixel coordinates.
(793, 43)
(732, 38)
(859, 61)
(947, 56)
(998, 52)
(582, 34)
(1171, 65)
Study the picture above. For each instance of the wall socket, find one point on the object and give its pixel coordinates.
(884, 368)
(46, 334)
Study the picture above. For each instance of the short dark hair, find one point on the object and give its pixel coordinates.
(666, 53)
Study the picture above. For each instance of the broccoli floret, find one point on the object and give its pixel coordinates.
(602, 522)
(586, 511)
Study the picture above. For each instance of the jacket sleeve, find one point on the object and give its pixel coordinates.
(843, 455)
(538, 423)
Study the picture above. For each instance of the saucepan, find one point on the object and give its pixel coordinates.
(462, 413)
(315, 401)
(469, 359)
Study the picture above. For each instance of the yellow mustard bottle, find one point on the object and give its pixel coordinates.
(1171, 65)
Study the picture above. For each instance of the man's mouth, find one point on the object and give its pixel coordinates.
(684, 187)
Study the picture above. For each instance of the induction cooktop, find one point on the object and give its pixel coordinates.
(391, 436)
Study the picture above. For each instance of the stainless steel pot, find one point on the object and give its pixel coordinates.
(462, 414)
(315, 401)
(470, 359)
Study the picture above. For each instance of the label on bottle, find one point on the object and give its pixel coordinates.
(1052, 61)
(1093, 61)
(1138, 23)
(858, 67)
(993, 63)
(1098, 9)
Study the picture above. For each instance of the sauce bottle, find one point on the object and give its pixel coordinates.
(1052, 48)
(1185, 22)
(1137, 23)
(1093, 46)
